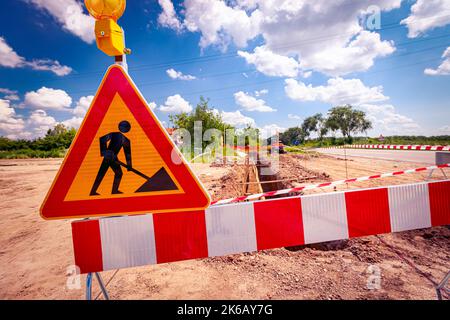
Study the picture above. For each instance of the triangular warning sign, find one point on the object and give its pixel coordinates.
(122, 161)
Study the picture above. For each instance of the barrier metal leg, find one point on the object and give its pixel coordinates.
(102, 286)
(441, 286)
(429, 175)
(89, 286)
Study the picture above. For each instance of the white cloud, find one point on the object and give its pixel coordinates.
(79, 111)
(294, 116)
(39, 123)
(48, 98)
(271, 64)
(444, 67)
(152, 105)
(219, 24)
(293, 29)
(10, 59)
(250, 103)
(387, 120)
(11, 125)
(427, 15)
(10, 95)
(236, 119)
(306, 74)
(326, 35)
(358, 55)
(69, 13)
(172, 73)
(7, 91)
(175, 104)
(50, 65)
(82, 106)
(262, 92)
(271, 130)
(74, 122)
(168, 17)
(337, 91)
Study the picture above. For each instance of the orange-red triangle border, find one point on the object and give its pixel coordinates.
(115, 81)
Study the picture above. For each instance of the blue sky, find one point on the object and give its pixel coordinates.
(266, 63)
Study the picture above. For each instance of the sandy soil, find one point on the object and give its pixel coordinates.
(35, 254)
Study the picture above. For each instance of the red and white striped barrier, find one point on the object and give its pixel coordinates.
(326, 184)
(396, 147)
(130, 241)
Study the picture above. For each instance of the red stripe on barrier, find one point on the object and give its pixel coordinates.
(270, 193)
(368, 212)
(87, 245)
(439, 203)
(324, 184)
(180, 236)
(241, 198)
(278, 223)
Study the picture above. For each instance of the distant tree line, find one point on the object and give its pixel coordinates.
(53, 144)
(344, 119)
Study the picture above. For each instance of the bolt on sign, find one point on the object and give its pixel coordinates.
(122, 161)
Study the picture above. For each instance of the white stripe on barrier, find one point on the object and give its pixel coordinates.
(230, 231)
(324, 217)
(409, 207)
(127, 241)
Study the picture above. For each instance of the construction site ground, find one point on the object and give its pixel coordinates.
(36, 255)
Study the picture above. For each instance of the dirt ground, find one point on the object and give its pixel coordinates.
(35, 254)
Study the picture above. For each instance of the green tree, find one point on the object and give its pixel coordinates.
(315, 123)
(209, 118)
(60, 137)
(347, 120)
(293, 136)
(248, 135)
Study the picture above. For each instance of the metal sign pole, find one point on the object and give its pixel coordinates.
(122, 60)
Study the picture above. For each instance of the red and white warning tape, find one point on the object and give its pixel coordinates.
(326, 184)
(396, 147)
(131, 241)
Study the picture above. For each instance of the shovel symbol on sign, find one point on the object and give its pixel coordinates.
(110, 146)
(160, 181)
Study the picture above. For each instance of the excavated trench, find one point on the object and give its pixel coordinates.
(270, 180)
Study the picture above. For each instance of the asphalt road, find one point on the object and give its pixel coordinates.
(425, 157)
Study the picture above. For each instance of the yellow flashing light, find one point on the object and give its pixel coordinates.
(106, 9)
(108, 33)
